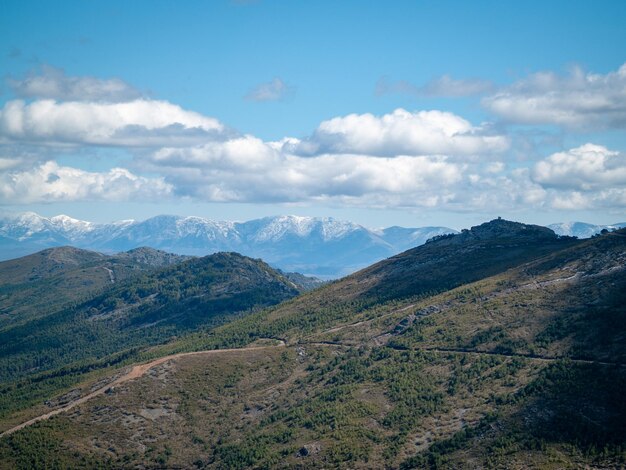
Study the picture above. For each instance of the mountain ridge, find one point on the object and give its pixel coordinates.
(583, 229)
(323, 247)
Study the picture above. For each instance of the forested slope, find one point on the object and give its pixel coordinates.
(521, 367)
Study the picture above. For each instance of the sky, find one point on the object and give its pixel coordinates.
(384, 113)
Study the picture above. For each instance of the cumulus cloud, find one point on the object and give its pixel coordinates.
(586, 177)
(444, 86)
(607, 199)
(585, 168)
(241, 153)
(401, 133)
(50, 182)
(133, 123)
(53, 83)
(247, 169)
(274, 90)
(578, 100)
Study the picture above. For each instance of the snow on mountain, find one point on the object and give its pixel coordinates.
(274, 229)
(323, 247)
(582, 229)
(29, 226)
(183, 235)
(73, 228)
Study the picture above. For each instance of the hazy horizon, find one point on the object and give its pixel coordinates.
(97, 221)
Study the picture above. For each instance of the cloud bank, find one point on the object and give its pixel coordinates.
(588, 167)
(428, 159)
(402, 133)
(134, 123)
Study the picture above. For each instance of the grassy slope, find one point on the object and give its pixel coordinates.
(424, 381)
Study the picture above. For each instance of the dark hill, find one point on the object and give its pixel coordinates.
(149, 257)
(504, 229)
(447, 262)
(194, 292)
(143, 310)
(46, 263)
(452, 260)
(41, 283)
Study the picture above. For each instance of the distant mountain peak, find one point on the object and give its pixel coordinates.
(582, 229)
(319, 246)
(66, 218)
(277, 227)
(69, 224)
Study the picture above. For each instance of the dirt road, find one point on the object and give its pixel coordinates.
(134, 373)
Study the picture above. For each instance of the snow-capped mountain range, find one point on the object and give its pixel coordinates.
(582, 229)
(323, 247)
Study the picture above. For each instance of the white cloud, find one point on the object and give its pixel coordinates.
(587, 177)
(481, 190)
(401, 133)
(495, 167)
(422, 159)
(8, 163)
(134, 123)
(50, 182)
(247, 169)
(245, 152)
(52, 83)
(606, 199)
(585, 168)
(444, 86)
(579, 100)
(571, 201)
(274, 90)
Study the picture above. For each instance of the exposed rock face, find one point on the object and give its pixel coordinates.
(503, 228)
(499, 229)
(309, 449)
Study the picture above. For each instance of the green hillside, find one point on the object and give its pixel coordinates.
(41, 283)
(501, 347)
(439, 265)
(42, 353)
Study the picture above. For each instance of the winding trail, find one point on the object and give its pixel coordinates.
(363, 322)
(134, 373)
(532, 357)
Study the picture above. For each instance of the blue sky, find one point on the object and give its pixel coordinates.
(527, 100)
